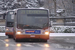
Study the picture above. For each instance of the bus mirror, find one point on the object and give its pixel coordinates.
(15, 13)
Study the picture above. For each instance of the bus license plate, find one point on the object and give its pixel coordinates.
(32, 36)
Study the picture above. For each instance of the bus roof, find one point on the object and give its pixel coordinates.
(29, 8)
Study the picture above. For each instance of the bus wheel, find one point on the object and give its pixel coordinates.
(45, 41)
(16, 40)
(9, 36)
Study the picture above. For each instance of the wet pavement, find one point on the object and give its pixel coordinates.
(54, 43)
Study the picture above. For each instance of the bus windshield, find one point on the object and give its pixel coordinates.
(32, 18)
(10, 19)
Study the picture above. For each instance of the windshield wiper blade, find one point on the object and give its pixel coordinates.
(31, 27)
(36, 27)
(28, 27)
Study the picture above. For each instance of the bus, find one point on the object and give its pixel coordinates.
(9, 23)
(31, 24)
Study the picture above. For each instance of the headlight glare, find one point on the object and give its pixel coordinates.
(18, 32)
(46, 32)
(7, 29)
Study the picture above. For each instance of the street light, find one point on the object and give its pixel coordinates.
(54, 7)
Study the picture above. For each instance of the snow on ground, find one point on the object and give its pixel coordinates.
(2, 34)
(52, 34)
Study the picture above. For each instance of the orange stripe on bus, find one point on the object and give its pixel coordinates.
(29, 31)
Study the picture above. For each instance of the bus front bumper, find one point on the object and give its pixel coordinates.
(45, 37)
(9, 33)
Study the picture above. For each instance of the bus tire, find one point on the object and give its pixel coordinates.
(16, 40)
(9, 36)
(45, 40)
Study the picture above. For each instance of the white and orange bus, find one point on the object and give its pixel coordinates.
(9, 23)
(31, 24)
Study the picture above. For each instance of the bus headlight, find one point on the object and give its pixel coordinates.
(18, 32)
(7, 29)
(46, 33)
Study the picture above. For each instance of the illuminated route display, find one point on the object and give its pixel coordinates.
(32, 11)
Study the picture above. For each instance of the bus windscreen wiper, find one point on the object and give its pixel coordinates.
(36, 27)
(31, 27)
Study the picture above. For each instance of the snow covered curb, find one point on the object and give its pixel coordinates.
(52, 34)
(62, 34)
(2, 34)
